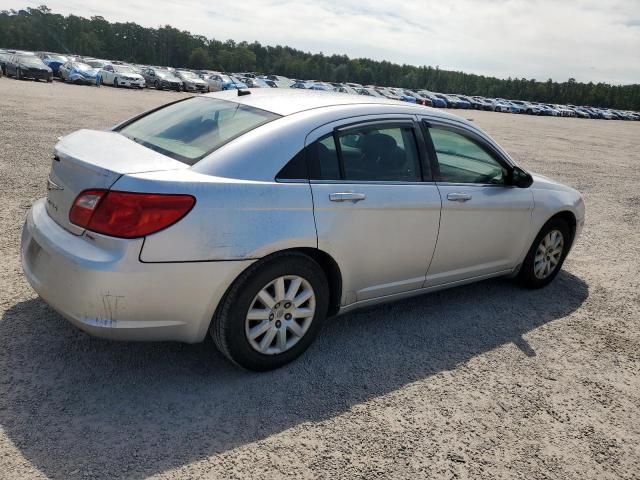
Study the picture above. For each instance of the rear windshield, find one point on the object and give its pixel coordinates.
(191, 129)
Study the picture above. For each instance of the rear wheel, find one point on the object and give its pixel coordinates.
(272, 312)
(156, 85)
(546, 255)
(18, 74)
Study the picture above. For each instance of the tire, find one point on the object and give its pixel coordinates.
(49, 79)
(527, 275)
(229, 327)
(156, 85)
(18, 76)
(115, 83)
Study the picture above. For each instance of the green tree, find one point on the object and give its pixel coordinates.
(199, 58)
(41, 29)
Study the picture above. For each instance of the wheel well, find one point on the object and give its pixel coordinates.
(330, 269)
(570, 219)
(332, 272)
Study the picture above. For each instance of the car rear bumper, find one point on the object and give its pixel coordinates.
(102, 287)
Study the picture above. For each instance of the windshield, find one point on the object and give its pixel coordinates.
(30, 60)
(188, 75)
(191, 129)
(82, 67)
(123, 69)
(164, 74)
(57, 58)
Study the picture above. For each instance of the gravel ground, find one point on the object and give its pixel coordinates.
(483, 381)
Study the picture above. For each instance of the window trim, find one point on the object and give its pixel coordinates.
(426, 169)
(426, 125)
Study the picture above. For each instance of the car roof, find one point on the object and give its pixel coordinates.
(287, 101)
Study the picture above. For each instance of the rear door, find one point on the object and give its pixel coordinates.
(485, 222)
(376, 208)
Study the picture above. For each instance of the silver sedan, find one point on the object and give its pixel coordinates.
(254, 216)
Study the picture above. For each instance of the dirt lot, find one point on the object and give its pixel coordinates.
(485, 381)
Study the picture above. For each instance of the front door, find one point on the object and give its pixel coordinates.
(485, 222)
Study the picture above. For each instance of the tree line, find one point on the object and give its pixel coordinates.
(40, 29)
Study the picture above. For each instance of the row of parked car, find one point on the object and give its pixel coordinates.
(94, 71)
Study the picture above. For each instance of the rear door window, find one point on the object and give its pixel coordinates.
(380, 153)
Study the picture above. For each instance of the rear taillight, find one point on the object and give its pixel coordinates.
(126, 214)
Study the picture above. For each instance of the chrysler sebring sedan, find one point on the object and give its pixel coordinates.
(255, 216)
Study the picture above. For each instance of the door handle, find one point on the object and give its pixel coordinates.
(346, 197)
(458, 197)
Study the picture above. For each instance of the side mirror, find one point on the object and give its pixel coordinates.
(520, 178)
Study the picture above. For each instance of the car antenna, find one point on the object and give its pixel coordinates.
(241, 93)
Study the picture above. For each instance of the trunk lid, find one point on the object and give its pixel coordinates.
(95, 159)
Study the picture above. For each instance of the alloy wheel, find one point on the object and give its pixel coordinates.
(280, 315)
(548, 254)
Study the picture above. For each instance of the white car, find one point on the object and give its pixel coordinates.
(254, 215)
(121, 76)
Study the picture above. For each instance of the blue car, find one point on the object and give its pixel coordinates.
(405, 97)
(436, 101)
(459, 102)
(229, 82)
(80, 73)
(502, 105)
(53, 61)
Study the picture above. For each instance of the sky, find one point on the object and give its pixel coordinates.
(589, 40)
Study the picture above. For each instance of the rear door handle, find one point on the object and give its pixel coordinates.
(458, 197)
(346, 197)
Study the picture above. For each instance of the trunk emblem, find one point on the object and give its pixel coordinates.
(51, 185)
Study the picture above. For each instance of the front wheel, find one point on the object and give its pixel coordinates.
(272, 312)
(546, 255)
(18, 74)
(115, 83)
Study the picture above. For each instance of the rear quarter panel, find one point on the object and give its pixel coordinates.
(232, 219)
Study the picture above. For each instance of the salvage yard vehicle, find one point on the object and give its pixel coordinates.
(79, 73)
(121, 76)
(161, 79)
(254, 216)
(220, 81)
(192, 82)
(53, 61)
(23, 66)
(4, 58)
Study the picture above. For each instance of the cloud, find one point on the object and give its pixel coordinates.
(586, 39)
